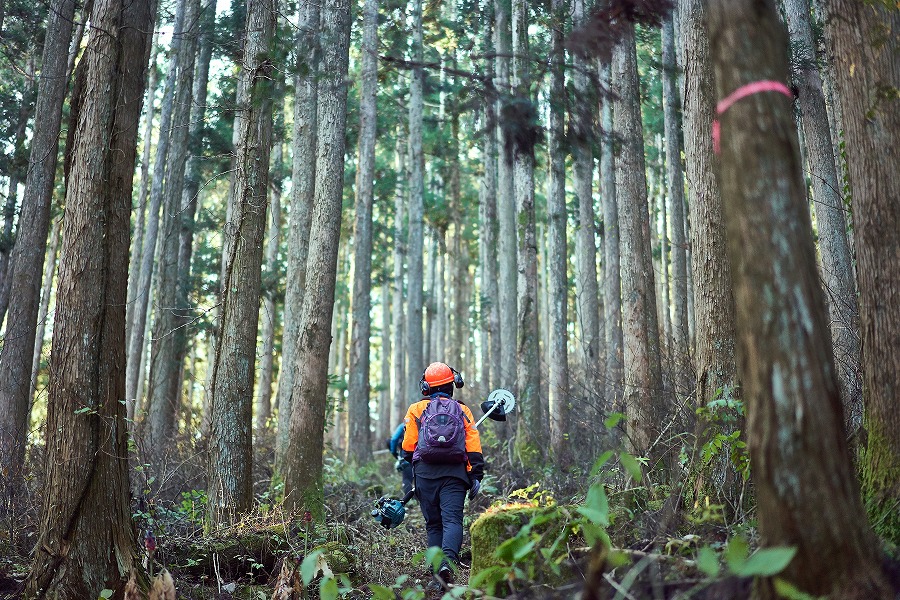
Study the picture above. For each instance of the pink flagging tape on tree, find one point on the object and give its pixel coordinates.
(766, 85)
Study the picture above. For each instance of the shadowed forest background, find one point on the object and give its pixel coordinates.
(235, 233)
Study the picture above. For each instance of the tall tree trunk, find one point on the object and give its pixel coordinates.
(506, 206)
(86, 541)
(192, 175)
(303, 182)
(231, 389)
(557, 247)
(415, 247)
(303, 485)
(398, 358)
(863, 39)
(586, 239)
(714, 354)
(675, 178)
(269, 309)
(148, 252)
(164, 383)
(360, 448)
(430, 302)
(440, 297)
(837, 268)
(28, 254)
(533, 430)
(15, 172)
(488, 197)
(714, 302)
(44, 309)
(807, 491)
(612, 282)
(638, 299)
(385, 400)
(7, 239)
(137, 237)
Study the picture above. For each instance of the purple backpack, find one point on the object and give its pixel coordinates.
(442, 432)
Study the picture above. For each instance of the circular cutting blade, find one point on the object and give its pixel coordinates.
(505, 398)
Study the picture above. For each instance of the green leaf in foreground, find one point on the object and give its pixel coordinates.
(596, 506)
(708, 561)
(309, 568)
(631, 465)
(766, 562)
(379, 592)
(328, 589)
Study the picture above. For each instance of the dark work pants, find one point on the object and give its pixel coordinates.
(407, 473)
(441, 501)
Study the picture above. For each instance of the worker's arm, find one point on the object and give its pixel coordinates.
(473, 446)
(411, 436)
(396, 439)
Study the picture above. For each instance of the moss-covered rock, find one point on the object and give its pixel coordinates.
(339, 557)
(542, 525)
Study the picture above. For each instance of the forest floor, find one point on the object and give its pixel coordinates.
(259, 558)
(659, 553)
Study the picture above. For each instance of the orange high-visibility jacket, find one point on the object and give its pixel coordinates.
(475, 466)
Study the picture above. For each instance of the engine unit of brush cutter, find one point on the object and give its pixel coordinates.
(389, 512)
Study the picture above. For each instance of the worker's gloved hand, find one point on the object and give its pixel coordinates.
(402, 463)
(476, 487)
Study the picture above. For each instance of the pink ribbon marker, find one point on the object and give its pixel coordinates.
(743, 92)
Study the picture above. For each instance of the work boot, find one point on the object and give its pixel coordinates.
(445, 574)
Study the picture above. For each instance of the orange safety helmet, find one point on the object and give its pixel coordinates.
(437, 374)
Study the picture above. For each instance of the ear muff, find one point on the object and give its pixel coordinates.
(457, 378)
(424, 385)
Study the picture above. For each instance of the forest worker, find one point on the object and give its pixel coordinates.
(403, 466)
(445, 451)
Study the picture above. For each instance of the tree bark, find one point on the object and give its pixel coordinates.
(386, 425)
(675, 178)
(557, 248)
(303, 182)
(142, 293)
(506, 206)
(164, 383)
(415, 247)
(863, 40)
(360, 446)
(86, 541)
(16, 170)
(191, 191)
(589, 305)
(269, 310)
(231, 387)
(807, 492)
(837, 267)
(714, 353)
(488, 195)
(532, 432)
(27, 259)
(641, 363)
(44, 309)
(137, 238)
(612, 281)
(303, 484)
(398, 360)
(714, 303)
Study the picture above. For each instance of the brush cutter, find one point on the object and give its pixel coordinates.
(499, 403)
(390, 511)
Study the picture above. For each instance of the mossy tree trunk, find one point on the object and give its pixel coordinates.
(864, 41)
(807, 492)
